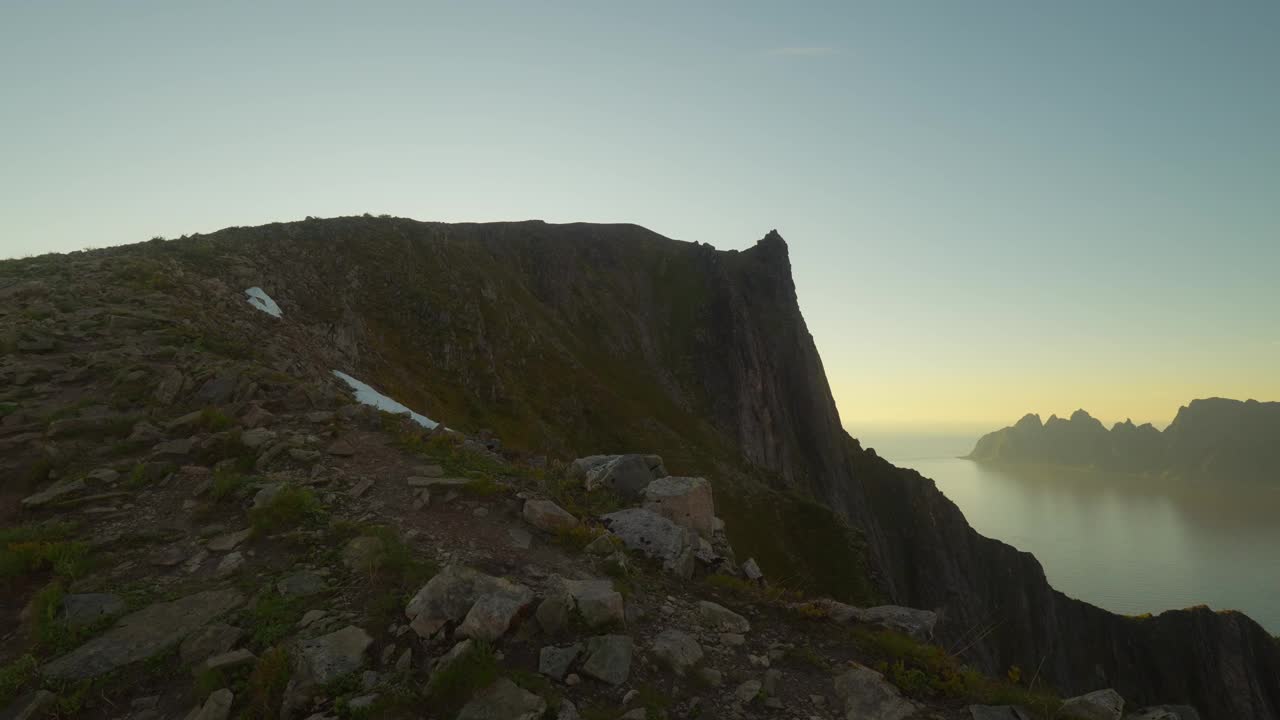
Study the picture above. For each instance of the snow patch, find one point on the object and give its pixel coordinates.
(368, 396)
(263, 301)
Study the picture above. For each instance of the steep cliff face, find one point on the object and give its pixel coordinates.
(1214, 439)
(587, 338)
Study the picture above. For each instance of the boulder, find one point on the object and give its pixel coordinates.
(217, 706)
(494, 613)
(1097, 705)
(443, 662)
(677, 650)
(657, 537)
(53, 492)
(321, 660)
(752, 571)
(598, 603)
(866, 693)
(553, 614)
(228, 541)
(255, 438)
(628, 475)
(609, 658)
(504, 700)
(88, 608)
(210, 640)
(748, 691)
(554, 662)
(449, 596)
(225, 661)
(142, 634)
(303, 583)
(686, 501)
(917, 624)
(722, 618)
(548, 516)
(998, 712)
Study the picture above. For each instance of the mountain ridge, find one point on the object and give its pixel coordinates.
(1210, 438)
(616, 339)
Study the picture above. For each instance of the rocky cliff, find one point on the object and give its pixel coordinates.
(612, 338)
(1212, 439)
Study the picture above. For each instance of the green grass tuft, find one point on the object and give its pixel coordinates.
(451, 688)
(290, 507)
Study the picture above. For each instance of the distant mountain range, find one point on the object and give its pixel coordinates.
(1213, 438)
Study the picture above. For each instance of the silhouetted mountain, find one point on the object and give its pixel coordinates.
(1215, 438)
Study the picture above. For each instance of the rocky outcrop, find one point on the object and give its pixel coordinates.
(1213, 439)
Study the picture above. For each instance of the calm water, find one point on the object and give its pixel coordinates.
(1130, 545)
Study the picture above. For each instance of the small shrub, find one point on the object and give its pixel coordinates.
(27, 549)
(290, 507)
(214, 420)
(272, 618)
(16, 677)
(7, 409)
(228, 485)
(577, 537)
(266, 685)
(453, 686)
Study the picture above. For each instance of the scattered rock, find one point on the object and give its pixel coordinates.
(917, 624)
(609, 658)
(628, 475)
(494, 613)
(722, 618)
(548, 516)
(711, 677)
(225, 661)
(769, 684)
(504, 700)
(105, 476)
(686, 501)
(553, 614)
(53, 492)
(649, 533)
(175, 448)
(1097, 705)
(598, 603)
(29, 706)
(752, 571)
(449, 596)
(866, 693)
(324, 659)
(88, 608)
(210, 640)
(217, 707)
(360, 488)
(142, 634)
(677, 650)
(748, 691)
(520, 538)
(303, 583)
(554, 661)
(1166, 712)
(230, 563)
(229, 541)
(255, 438)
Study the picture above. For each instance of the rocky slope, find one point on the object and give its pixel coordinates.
(1214, 439)
(559, 340)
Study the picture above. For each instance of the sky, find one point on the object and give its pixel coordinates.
(993, 208)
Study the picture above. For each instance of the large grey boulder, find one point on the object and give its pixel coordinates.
(142, 634)
(998, 712)
(494, 613)
(609, 658)
(321, 660)
(504, 700)
(54, 492)
(865, 693)
(596, 600)
(722, 618)
(449, 596)
(628, 475)
(686, 501)
(1097, 705)
(212, 639)
(554, 661)
(647, 532)
(547, 516)
(217, 707)
(677, 650)
(915, 623)
(86, 609)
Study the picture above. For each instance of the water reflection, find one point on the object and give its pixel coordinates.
(1129, 544)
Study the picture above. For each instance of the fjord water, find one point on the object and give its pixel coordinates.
(1128, 544)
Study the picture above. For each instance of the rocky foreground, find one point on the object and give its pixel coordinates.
(202, 516)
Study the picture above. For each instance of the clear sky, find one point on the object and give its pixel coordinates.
(992, 207)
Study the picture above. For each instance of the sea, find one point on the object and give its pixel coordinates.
(1128, 544)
